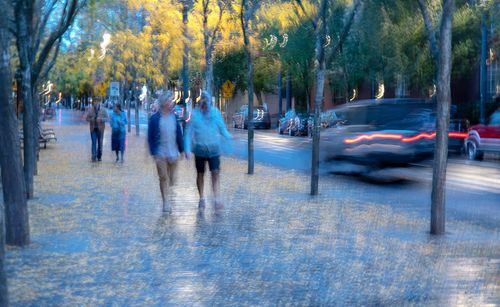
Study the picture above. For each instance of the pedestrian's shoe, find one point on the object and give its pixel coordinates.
(218, 205)
(166, 207)
(201, 204)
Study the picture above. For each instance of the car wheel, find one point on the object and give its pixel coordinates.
(472, 152)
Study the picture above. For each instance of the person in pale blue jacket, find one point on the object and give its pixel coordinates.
(204, 137)
(118, 131)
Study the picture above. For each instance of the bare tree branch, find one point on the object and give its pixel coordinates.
(69, 13)
(314, 21)
(40, 26)
(49, 65)
(345, 30)
(429, 29)
(222, 8)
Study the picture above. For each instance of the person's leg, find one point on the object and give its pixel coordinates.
(200, 172)
(161, 166)
(214, 164)
(117, 157)
(216, 188)
(172, 173)
(100, 135)
(93, 136)
(122, 145)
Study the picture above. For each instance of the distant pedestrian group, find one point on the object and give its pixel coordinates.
(97, 116)
(168, 141)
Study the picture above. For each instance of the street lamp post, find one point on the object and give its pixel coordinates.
(483, 77)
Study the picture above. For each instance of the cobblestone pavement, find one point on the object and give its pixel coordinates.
(99, 238)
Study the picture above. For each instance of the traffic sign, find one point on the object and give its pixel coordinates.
(227, 89)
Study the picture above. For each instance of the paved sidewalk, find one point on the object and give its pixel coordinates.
(99, 238)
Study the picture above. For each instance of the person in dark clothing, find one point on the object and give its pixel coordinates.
(165, 141)
(118, 131)
(97, 116)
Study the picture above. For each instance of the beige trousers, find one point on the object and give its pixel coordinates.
(166, 172)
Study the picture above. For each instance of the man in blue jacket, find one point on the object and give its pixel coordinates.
(165, 144)
(205, 133)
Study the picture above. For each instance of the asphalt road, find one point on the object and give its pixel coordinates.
(473, 187)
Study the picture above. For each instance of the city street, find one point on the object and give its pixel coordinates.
(99, 236)
(395, 202)
(468, 182)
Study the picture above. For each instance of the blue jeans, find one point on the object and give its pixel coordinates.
(96, 136)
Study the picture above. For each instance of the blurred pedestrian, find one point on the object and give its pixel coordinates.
(165, 144)
(97, 116)
(118, 131)
(203, 137)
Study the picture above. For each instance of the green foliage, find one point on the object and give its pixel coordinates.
(230, 66)
(387, 41)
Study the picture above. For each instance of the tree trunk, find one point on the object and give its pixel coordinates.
(137, 101)
(250, 107)
(260, 99)
(36, 127)
(442, 121)
(209, 71)
(4, 299)
(128, 101)
(288, 91)
(209, 67)
(245, 17)
(185, 56)
(23, 12)
(13, 183)
(318, 99)
(280, 95)
(483, 82)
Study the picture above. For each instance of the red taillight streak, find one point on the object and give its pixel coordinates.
(419, 136)
(460, 135)
(374, 136)
(390, 136)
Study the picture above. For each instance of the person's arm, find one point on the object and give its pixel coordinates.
(188, 135)
(124, 116)
(112, 122)
(88, 114)
(104, 114)
(222, 127)
(151, 134)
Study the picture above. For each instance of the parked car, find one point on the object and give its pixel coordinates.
(261, 118)
(484, 138)
(329, 119)
(295, 124)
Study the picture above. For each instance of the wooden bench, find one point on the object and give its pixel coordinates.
(44, 136)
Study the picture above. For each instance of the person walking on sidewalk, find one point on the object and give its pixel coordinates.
(165, 144)
(203, 138)
(118, 131)
(97, 116)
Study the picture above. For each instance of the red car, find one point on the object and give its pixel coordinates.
(484, 138)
